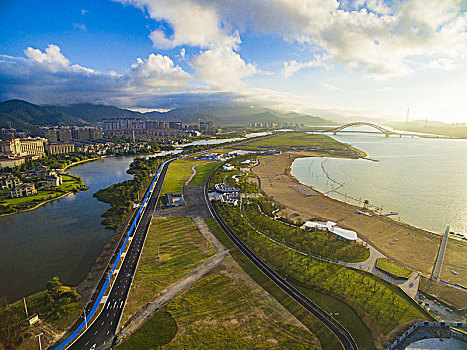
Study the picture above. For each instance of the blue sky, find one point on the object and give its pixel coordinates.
(372, 58)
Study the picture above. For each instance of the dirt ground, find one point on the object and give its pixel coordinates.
(415, 249)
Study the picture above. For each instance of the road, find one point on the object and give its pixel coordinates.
(101, 333)
(342, 334)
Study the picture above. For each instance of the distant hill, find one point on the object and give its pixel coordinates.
(95, 113)
(24, 115)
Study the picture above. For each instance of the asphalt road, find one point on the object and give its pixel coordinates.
(342, 334)
(101, 333)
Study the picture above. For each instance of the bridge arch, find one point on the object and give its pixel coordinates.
(375, 126)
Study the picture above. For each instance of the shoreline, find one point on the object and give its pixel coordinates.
(396, 221)
(276, 178)
(59, 197)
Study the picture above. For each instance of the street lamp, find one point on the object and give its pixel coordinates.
(39, 336)
(85, 320)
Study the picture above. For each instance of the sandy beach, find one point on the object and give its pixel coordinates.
(414, 248)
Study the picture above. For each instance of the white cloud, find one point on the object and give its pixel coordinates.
(50, 77)
(380, 38)
(198, 23)
(293, 66)
(80, 26)
(222, 68)
(157, 72)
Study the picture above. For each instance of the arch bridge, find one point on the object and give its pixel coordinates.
(375, 126)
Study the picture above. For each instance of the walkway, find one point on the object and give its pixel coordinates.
(177, 288)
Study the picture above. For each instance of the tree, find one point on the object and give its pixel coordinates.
(54, 287)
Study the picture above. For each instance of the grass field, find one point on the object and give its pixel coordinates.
(295, 139)
(221, 312)
(182, 248)
(178, 173)
(392, 268)
(327, 339)
(203, 171)
(384, 305)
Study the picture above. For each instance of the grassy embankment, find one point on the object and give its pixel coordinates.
(311, 242)
(121, 196)
(392, 269)
(182, 248)
(12, 205)
(300, 141)
(381, 305)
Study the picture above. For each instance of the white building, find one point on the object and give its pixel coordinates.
(332, 228)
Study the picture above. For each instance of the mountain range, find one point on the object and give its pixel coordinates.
(24, 115)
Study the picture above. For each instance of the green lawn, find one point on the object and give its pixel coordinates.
(392, 268)
(385, 305)
(203, 173)
(182, 248)
(327, 339)
(178, 173)
(295, 139)
(219, 312)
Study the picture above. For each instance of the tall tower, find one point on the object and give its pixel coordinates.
(440, 257)
(407, 119)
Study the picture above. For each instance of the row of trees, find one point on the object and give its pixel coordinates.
(314, 242)
(121, 196)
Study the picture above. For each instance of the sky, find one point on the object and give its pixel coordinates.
(372, 58)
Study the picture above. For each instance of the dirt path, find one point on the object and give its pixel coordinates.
(414, 248)
(177, 288)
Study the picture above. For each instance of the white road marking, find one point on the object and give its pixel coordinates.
(92, 347)
(102, 323)
(95, 334)
(121, 303)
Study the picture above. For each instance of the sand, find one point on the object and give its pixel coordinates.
(415, 249)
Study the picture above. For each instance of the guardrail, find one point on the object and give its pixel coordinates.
(134, 225)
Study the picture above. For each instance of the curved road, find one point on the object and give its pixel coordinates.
(342, 334)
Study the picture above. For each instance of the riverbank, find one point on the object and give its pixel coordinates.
(84, 161)
(411, 247)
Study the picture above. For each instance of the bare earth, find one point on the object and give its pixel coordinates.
(415, 249)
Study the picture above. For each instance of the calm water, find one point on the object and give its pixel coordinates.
(64, 237)
(424, 180)
(61, 238)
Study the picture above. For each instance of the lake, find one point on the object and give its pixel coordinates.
(422, 179)
(61, 238)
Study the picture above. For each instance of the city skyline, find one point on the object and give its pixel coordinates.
(369, 58)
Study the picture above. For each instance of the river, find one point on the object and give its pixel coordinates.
(64, 237)
(422, 179)
(61, 238)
